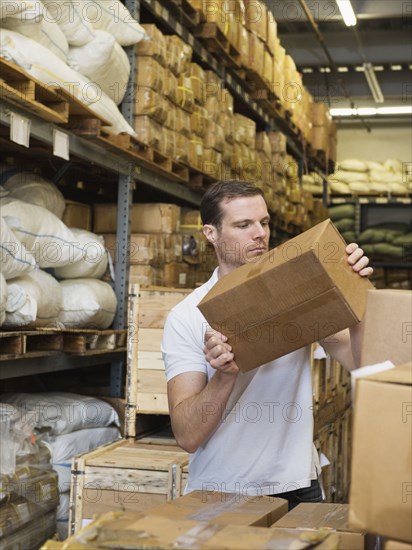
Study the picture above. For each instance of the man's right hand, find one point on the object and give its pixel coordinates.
(218, 352)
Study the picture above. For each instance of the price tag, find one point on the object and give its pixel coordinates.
(60, 144)
(20, 129)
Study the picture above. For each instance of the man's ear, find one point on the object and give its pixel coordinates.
(210, 232)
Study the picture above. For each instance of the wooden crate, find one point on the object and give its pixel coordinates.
(146, 391)
(125, 475)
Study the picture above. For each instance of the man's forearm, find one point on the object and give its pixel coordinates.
(195, 418)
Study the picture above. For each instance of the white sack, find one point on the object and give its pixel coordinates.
(39, 62)
(349, 177)
(93, 263)
(359, 187)
(62, 413)
(62, 515)
(87, 303)
(393, 165)
(353, 165)
(22, 10)
(36, 23)
(339, 187)
(113, 16)
(104, 62)
(37, 300)
(43, 234)
(72, 19)
(34, 189)
(373, 165)
(15, 260)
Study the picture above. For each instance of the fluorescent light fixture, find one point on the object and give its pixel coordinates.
(373, 83)
(379, 68)
(371, 111)
(343, 69)
(360, 69)
(307, 70)
(346, 10)
(396, 67)
(324, 69)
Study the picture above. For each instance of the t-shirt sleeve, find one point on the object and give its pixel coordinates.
(182, 345)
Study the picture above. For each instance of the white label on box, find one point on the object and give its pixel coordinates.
(182, 279)
(20, 129)
(61, 144)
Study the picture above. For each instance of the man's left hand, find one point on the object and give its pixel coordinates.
(358, 261)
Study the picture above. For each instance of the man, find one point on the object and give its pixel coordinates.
(250, 433)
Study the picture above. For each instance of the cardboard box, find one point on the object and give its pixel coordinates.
(154, 217)
(381, 489)
(321, 515)
(295, 294)
(224, 508)
(395, 545)
(387, 327)
(78, 215)
(129, 530)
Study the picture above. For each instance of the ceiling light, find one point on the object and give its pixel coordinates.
(343, 69)
(396, 67)
(373, 83)
(346, 10)
(379, 68)
(307, 70)
(324, 69)
(371, 111)
(360, 69)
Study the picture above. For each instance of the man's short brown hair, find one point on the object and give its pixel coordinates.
(210, 206)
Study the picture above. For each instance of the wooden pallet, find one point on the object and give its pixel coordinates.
(82, 341)
(187, 14)
(21, 343)
(28, 93)
(216, 42)
(128, 147)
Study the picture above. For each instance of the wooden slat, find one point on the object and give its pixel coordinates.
(150, 339)
(153, 403)
(124, 479)
(152, 360)
(151, 381)
(155, 305)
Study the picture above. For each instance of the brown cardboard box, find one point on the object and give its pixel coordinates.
(381, 488)
(331, 516)
(387, 327)
(395, 545)
(150, 103)
(256, 49)
(141, 248)
(78, 215)
(150, 73)
(256, 17)
(224, 508)
(298, 293)
(155, 47)
(154, 217)
(145, 275)
(148, 131)
(127, 530)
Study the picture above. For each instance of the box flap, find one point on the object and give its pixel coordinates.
(401, 374)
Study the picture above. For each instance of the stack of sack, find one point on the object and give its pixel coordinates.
(313, 183)
(387, 240)
(343, 216)
(49, 274)
(66, 425)
(77, 45)
(359, 177)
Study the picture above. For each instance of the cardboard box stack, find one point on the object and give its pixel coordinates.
(161, 251)
(165, 97)
(321, 127)
(244, 146)
(380, 495)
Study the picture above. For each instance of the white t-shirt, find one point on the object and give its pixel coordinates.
(264, 442)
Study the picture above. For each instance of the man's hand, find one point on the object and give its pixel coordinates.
(358, 261)
(219, 353)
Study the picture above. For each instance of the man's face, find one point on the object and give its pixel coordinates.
(244, 232)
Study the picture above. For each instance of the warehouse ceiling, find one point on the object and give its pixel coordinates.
(382, 37)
